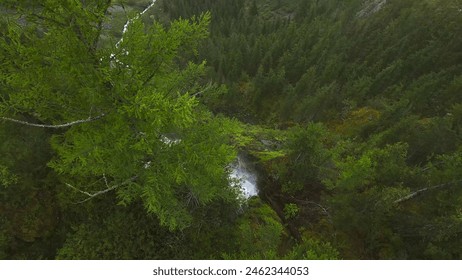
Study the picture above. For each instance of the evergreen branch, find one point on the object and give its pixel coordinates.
(89, 119)
(418, 192)
(48, 19)
(98, 193)
(149, 78)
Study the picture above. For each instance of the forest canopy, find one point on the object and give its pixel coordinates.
(119, 126)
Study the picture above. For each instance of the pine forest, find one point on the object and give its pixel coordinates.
(231, 129)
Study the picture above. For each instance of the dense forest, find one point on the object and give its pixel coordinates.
(120, 122)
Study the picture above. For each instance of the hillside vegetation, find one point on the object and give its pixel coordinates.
(369, 97)
(350, 110)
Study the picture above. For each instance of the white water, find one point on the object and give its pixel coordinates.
(240, 170)
(246, 177)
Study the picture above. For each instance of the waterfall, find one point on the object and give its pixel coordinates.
(245, 175)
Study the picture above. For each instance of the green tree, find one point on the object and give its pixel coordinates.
(259, 233)
(362, 205)
(125, 118)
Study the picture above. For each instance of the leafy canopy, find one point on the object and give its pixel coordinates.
(129, 119)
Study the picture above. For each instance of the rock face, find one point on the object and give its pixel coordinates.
(371, 7)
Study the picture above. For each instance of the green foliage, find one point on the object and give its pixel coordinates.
(308, 157)
(270, 155)
(384, 77)
(28, 211)
(365, 190)
(383, 206)
(143, 92)
(259, 233)
(291, 211)
(6, 178)
(116, 232)
(313, 249)
(351, 110)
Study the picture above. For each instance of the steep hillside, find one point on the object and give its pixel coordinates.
(122, 144)
(378, 175)
(319, 60)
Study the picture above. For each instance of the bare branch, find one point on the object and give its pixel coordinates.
(418, 192)
(319, 206)
(197, 94)
(98, 193)
(322, 208)
(89, 119)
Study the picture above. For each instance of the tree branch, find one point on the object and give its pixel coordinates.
(89, 119)
(44, 18)
(418, 192)
(98, 193)
(149, 78)
(323, 209)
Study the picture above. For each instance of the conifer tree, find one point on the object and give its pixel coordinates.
(125, 118)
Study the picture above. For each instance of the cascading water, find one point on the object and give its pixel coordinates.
(245, 175)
